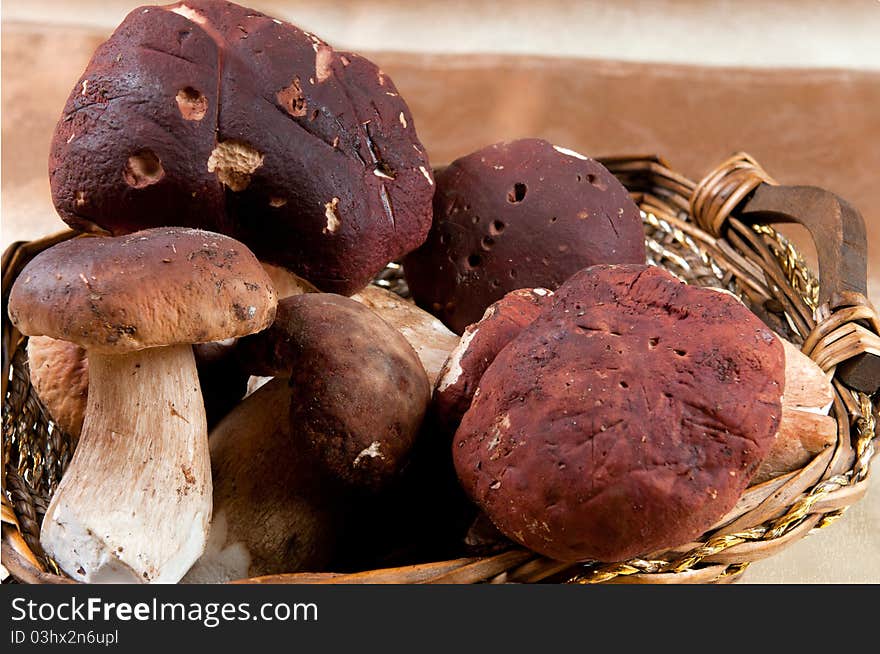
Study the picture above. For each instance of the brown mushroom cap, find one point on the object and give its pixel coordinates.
(160, 286)
(209, 114)
(358, 390)
(478, 347)
(628, 417)
(59, 372)
(522, 214)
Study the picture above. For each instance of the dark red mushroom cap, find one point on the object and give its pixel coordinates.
(212, 115)
(478, 347)
(627, 418)
(523, 214)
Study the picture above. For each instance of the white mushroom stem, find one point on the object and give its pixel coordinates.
(135, 502)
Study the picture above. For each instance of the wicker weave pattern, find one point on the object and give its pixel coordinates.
(692, 231)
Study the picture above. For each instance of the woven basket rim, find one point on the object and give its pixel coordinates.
(756, 262)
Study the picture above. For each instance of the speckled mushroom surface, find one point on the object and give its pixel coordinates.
(627, 418)
(519, 214)
(162, 286)
(209, 114)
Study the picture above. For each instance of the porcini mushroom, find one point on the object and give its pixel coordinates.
(520, 214)
(135, 501)
(208, 114)
(629, 416)
(359, 392)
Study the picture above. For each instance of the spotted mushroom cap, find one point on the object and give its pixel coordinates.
(212, 115)
(520, 214)
(627, 418)
(162, 286)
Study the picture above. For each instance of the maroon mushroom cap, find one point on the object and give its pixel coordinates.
(627, 418)
(212, 115)
(478, 347)
(523, 214)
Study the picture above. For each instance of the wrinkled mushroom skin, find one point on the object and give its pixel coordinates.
(212, 115)
(522, 214)
(358, 390)
(478, 347)
(628, 417)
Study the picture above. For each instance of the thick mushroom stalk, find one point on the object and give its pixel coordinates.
(111, 518)
(135, 502)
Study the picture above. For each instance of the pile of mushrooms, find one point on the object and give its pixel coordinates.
(248, 402)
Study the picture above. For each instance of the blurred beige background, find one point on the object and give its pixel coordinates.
(795, 83)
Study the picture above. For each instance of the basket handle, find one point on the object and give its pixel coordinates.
(838, 231)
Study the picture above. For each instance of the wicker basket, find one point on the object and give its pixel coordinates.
(714, 233)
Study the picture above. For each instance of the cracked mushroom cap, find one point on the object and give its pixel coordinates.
(627, 418)
(520, 214)
(212, 115)
(155, 287)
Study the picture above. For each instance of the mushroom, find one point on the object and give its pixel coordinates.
(478, 347)
(59, 373)
(520, 214)
(359, 392)
(271, 514)
(213, 115)
(430, 338)
(135, 500)
(630, 415)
